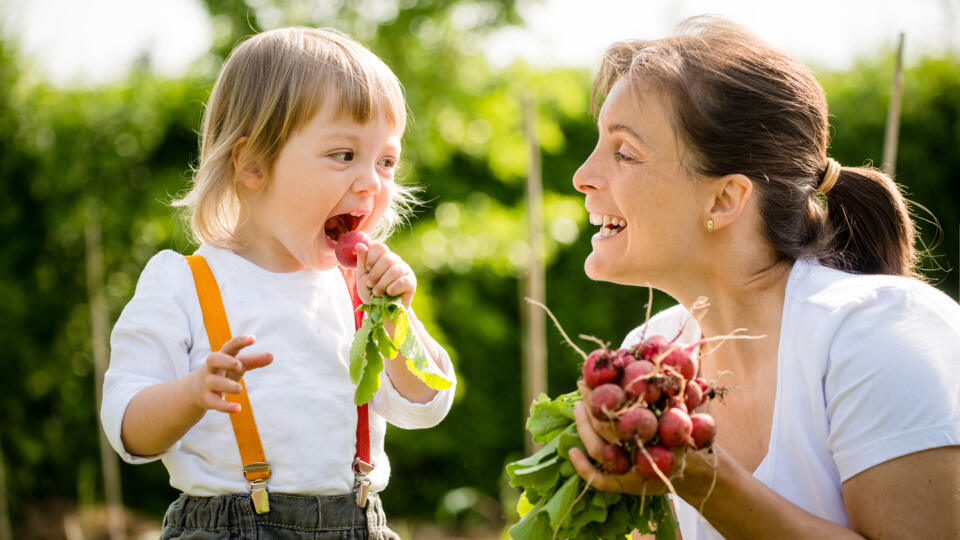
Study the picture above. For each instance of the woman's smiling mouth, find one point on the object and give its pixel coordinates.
(609, 225)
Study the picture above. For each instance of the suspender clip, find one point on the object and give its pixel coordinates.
(361, 481)
(258, 486)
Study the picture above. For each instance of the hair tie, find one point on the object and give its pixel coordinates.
(830, 175)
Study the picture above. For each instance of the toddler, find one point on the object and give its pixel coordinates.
(301, 139)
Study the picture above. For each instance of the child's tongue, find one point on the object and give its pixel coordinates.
(336, 227)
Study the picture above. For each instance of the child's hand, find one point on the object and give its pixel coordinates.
(381, 271)
(221, 373)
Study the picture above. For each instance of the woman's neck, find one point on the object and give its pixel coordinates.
(742, 297)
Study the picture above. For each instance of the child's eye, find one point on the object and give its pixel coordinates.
(343, 155)
(388, 163)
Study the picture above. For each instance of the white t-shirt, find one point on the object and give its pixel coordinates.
(868, 370)
(302, 402)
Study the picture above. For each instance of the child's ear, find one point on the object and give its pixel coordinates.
(248, 173)
(732, 193)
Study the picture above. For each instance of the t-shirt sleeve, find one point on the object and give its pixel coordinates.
(403, 413)
(892, 385)
(150, 342)
(672, 323)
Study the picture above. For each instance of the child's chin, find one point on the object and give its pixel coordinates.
(324, 261)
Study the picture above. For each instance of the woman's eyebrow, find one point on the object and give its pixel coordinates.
(625, 128)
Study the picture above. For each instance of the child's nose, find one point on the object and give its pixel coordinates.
(368, 181)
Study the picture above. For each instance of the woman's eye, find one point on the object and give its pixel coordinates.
(623, 154)
(343, 155)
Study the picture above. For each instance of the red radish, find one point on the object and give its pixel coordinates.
(662, 457)
(682, 361)
(600, 368)
(616, 460)
(622, 358)
(703, 384)
(606, 399)
(692, 396)
(346, 249)
(637, 422)
(675, 427)
(669, 384)
(704, 430)
(650, 348)
(636, 379)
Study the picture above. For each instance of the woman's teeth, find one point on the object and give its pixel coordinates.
(609, 225)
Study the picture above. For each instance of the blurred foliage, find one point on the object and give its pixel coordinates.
(120, 152)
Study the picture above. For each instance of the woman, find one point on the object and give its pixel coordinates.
(711, 179)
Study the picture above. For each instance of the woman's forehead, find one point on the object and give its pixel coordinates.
(642, 113)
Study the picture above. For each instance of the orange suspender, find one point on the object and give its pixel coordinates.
(256, 470)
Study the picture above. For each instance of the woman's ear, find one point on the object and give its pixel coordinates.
(730, 198)
(248, 173)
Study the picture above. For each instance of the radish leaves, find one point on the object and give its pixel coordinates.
(372, 344)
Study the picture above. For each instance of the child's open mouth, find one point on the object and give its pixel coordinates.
(340, 224)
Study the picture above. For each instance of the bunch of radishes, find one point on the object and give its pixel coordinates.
(647, 395)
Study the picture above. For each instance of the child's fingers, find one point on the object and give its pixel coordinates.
(404, 285)
(361, 250)
(215, 401)
(379, 258)
(255, 360)
(222, 385)
(396, 280)
(223, 364)
(236, 344)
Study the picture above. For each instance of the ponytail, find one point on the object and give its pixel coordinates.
(870, 228)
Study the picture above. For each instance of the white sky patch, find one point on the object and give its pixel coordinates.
(828, 33)
(94, 41)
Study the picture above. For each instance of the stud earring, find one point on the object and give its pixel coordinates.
(710, 225)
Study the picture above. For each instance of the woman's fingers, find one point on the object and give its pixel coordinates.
(631, 482)
(606, 430)
(594, 476)
(591, 440)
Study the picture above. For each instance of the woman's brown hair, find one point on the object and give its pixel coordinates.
(740, 106)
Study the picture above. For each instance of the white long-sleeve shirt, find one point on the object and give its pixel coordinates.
(302, 402)
(868, 370)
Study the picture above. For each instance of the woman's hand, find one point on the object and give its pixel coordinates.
(381, 271)
(697, 472)
(222, 372)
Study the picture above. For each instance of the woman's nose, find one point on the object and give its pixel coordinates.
(585, 179)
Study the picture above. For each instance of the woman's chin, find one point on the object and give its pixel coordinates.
(596, 268)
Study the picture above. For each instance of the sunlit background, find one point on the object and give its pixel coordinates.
(100, 106)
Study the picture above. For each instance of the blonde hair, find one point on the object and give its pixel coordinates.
(270, 86)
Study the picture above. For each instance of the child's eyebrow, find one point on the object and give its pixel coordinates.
(343, 135)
